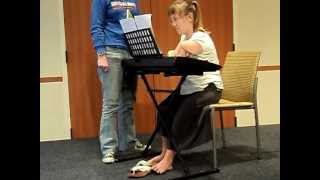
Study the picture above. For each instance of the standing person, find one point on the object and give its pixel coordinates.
(183, 107)
(117, 129)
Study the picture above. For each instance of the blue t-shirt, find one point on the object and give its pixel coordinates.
(105, 22)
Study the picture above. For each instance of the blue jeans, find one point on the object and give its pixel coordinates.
(117, 128)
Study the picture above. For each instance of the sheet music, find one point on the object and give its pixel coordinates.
(138, 22)
(128, 25)
(141, 42)
(143, 21)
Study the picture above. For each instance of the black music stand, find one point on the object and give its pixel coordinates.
(142, 45)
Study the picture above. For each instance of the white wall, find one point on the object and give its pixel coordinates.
(257, 27)
(54, 117)
(54, 98)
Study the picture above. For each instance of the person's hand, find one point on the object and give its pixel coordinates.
(103, 63)
(171, 53)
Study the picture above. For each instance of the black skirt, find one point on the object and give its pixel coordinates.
(180, 114)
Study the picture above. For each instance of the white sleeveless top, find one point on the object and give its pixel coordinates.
(194, 83)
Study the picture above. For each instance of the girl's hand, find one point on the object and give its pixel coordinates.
(103, 63)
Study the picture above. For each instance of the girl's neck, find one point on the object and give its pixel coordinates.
(189, 34)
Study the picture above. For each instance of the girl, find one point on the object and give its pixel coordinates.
(183, 107)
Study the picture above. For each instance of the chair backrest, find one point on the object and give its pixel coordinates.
(239, 75)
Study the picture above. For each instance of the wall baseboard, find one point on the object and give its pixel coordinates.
(269, 68)
(50, 79)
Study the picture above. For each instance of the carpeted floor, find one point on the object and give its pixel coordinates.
(81, 159)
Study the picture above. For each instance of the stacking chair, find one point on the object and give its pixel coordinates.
(239, 75)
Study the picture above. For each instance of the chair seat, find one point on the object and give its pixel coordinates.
(223, 103)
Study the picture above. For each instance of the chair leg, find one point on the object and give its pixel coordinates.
(214, 148)
(222, 130)
(257, 132)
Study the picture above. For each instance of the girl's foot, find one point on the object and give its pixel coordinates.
(165, 164)
(156, 159)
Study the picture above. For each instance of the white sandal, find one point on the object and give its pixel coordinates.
(141, 169)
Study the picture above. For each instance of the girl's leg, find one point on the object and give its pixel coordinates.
(164, 148)
(110, 85)
(167, 107)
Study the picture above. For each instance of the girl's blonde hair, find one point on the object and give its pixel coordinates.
(186, 7)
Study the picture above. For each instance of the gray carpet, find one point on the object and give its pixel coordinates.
(81, 159)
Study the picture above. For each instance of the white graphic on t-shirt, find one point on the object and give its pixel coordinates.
(123, 5)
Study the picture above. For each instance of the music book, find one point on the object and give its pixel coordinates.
(139, 35)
